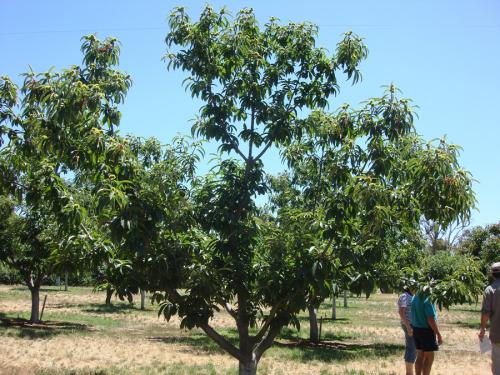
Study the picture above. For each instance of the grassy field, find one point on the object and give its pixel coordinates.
(84, 336)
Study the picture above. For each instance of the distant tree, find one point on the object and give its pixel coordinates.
(483, 243)
(441, 238)
(29, 237)
(448, 279)
(405, 256)
(156, 219)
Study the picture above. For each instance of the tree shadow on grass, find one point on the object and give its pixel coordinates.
(298, 350)
(292, 334)
(332, 351)
(198, 342)
(23, 328)
(326, 320)
(473, 309)
(46, 289)
(100, 308)
(340, 306)
(471, 325)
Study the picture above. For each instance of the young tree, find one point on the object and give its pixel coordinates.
(29, 236)
(448, 279)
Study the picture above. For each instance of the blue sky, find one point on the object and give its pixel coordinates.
(443, 54)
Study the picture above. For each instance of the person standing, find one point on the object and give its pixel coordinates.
(490, 311)
(404, 309)
(425, 332)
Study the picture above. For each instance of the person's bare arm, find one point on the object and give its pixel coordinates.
(485, 312)
(434, 326)
(404, 319)
(482, 329)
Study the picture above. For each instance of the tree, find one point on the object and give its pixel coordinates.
(55, 124)
(255, 84)
(440, 238)
(156, 219)
(448, 279)
(28, 238)
(357, 172)
(483, 243)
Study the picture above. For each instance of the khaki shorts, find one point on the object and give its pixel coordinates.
(495, 358)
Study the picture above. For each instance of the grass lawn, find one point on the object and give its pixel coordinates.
(82, 336)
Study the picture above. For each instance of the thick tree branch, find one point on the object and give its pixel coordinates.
(228, 307)
(236, 148)
(252, 128)
(267, 341)
(258, 337)
(230, 310)
(29, 282)
(214, 335)
(263, 151)
(223, 342)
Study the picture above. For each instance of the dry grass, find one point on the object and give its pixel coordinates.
(366, 339)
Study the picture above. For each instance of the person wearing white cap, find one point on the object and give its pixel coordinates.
(490, 310)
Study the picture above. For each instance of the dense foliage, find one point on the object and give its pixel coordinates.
(483, 243)
(346, 211)
(59, 124)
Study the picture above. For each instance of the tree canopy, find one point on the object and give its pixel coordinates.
(357, 181)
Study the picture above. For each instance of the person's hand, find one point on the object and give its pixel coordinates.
(440, 339)
(481, 334)
(410, 331)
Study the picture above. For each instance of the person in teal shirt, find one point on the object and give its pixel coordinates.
(425, 332)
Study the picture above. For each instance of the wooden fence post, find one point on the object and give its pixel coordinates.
(43, 307)
(320, 328)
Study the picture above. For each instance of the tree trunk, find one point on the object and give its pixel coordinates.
(35, 304)
(143, 298)
(109, 294)
(248, 368)
(66, 281)
(334, 307)
(345, 298)
(313, 324)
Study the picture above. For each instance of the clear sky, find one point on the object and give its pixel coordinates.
(443, 54)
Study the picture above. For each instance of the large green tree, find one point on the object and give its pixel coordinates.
(255, 83)
(365, 176)
(56, 125)
(378, 176)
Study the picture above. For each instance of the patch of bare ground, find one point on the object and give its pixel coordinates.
(124, 352)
